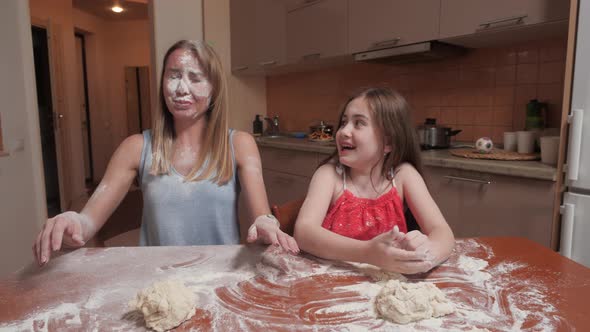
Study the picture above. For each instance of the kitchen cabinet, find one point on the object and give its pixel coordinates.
(464, 17)
(375, 24)
(258, 30)
(287, 173)
(242, 36)
(271, 33)
(481, 204)
(282, 187)
(316, 29)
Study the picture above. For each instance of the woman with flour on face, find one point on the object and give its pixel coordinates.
(191, 168)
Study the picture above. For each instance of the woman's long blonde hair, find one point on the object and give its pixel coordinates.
(215, 150)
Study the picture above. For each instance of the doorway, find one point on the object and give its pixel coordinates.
(137, 93)
(46, 120)
(84, 110)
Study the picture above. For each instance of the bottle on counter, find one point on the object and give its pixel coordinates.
(257, 126)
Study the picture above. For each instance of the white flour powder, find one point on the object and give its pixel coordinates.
(281, 291)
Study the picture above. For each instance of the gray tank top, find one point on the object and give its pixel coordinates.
(178, 213)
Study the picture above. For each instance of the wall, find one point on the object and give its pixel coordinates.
(129, 45)
(110, 47)
(22, 190)
(484, 93)
(170, 21)
(247, 95)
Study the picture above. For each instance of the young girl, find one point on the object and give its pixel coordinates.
(354, 209)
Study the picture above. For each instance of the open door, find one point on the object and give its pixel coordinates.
(84, 110)
(52, 116)
(137, 91)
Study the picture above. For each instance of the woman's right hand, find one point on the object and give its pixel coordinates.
(385, 251)
(66, 229)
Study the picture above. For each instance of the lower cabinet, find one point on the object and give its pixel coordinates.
(287, 173)
(283, 187)
(481, 204)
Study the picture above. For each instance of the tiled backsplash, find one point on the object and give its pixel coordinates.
(484, 92)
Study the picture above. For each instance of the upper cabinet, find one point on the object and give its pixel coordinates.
(270, 33)
(375, 24)
(258, 31)
(275, 36)
(242, 36)
(464, 17)
(316, 29)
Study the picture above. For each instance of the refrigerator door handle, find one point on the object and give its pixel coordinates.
(567, 229)
(575, 143)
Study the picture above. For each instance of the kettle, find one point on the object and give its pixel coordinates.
(433, 136)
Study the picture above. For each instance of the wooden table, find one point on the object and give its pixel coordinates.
(524, 286)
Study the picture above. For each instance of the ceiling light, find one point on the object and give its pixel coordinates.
(117, 7)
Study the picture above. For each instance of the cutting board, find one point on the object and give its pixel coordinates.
(496, 154)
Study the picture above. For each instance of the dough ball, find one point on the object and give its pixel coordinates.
(403, 302)
(165, 304)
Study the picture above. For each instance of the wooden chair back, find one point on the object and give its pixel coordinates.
(126, 217)
(287, 214)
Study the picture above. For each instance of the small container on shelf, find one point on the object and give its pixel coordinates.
(257, 126)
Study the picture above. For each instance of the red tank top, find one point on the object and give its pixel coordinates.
(365, 218)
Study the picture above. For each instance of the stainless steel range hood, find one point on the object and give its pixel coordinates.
(427, 51)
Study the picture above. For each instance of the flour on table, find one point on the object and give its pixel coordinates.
(165, 304)
(376, 273)
(404, 302)
(471, 264)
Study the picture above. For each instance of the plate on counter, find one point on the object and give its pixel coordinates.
(495, 155)
(321, 140)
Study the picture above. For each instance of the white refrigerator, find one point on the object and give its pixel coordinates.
(575, 208)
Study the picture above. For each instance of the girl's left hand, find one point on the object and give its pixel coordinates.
(419, 242)
(266, 229)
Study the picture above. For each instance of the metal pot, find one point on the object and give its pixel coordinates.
(432, 136)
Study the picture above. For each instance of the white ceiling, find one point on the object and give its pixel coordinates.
(134, 9)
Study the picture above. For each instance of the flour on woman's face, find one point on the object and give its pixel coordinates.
(187, 90)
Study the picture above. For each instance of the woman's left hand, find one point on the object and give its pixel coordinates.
(266, 228)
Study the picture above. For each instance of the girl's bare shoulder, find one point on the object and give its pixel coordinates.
(327, 171)
(327, 176)
(406, 172)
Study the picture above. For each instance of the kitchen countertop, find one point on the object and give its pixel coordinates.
(499, 284)
(298, 144)
(438, 158)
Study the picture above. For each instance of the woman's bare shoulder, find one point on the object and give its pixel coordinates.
(130, 149)
(245, 147)
(132, 144)
(243, 140)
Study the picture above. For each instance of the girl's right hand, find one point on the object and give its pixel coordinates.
(64, 229)
(385, 252)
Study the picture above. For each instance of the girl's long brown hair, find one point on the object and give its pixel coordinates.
(391, 114)
(216, 149)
